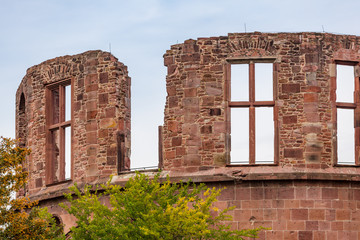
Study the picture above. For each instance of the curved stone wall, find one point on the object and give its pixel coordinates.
(196, 132)
(100, 118)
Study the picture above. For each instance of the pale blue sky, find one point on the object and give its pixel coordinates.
(32, 31)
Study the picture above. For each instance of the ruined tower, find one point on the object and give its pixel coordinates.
(273, 117)
(73, 112)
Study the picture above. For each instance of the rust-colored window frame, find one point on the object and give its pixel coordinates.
(61, 125)
(355, 105)
(252, 104)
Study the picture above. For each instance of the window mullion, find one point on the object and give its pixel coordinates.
(252, 113)
(239, 104)
(57, 125)
(252, 135)
(251, 82)
(346, 105)
(264, 104)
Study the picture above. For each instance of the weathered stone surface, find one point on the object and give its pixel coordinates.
(304, 74)
(100, 105)
(301, 195)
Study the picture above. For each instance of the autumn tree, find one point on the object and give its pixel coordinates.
(19, 217)
(148, 209)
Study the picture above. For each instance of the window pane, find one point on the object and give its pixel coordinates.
(344, 83)
(56, 106)
(239, 135)
(264, 135)
(56, 154)
(68, 153)
(239, 82)
(345, 136)
(68, 103)
(263, 81)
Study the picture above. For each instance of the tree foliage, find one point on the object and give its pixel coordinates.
(19, 218)
(148, 209)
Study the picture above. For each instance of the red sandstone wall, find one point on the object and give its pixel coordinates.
(101, 109)
(293, 209)
(302, 196)
(196, 124)
(304, 210)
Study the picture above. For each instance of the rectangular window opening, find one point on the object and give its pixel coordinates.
(55, 141)
(68, 103)
(263, 81)
(264, 135)
(58, 115)
(56, 106)
(239, 136)
(240, 82)
(345, 136)
(345, 83)
(251, 105)
(346, 106)
(67, 153)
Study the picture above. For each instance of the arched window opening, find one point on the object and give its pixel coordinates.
(22, 122)
(58, 222)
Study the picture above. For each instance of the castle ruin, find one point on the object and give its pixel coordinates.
(273, 117)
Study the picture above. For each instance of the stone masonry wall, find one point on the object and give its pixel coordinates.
(303, 195)
(197, 126)
(100, 112)
(293, 209)
(303, 210)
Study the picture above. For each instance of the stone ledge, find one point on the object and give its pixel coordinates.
(221, 174)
